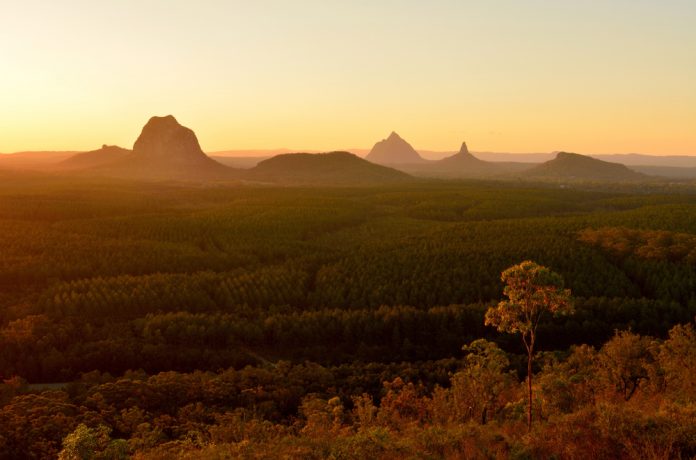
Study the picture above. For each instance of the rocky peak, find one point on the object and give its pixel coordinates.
(568, 155)
(164, 137)
(393, 150)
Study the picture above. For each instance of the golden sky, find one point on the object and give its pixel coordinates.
(590, 76)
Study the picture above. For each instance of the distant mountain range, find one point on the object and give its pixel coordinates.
(396, 152)
(166, 150)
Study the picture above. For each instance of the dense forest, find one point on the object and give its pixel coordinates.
(159, 320)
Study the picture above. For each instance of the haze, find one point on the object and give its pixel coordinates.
(535, 76)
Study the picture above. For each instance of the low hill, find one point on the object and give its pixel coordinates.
(580, 167)
(106, 155)
(33, 160)
(333, 168)
(673, 172)
(393, 151)
(240, 162)
(528, 158)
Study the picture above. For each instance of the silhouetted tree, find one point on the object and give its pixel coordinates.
(532, 291)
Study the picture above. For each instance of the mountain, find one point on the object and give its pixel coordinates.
(393, 151)
(580, 167)
(333, 168)
(461, 165)
(462, 159)
(106, 155)
(164, 139)
(166, 150)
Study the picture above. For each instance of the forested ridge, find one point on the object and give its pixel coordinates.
(309, 322)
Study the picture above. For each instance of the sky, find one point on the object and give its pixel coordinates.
(589, 76)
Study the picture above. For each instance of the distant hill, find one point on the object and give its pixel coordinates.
(393, 151)
(674, 172)
(463, 157)
(334, 168)
(516, 157)
(256, 152)
(461, 165)
(33, 160)
(240, 162)
(580, 167)
(465, 164)
(104, 156)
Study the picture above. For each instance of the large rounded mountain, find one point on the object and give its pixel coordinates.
(164, 139)
(164, 150)
(167, 148)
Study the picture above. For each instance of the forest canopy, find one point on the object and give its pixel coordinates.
(174, 319)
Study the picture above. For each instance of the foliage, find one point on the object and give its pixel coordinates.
(249, 321)
(627, 361)
(532, 291)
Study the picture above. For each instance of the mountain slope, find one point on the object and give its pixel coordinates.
(463, 157)
(393, 151)
(465, 164)
(637, 159)
(95, 158)
(333, 168)
(575, 166)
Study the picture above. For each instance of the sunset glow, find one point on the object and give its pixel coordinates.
(534, 76)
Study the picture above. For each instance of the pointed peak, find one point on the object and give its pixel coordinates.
(392, 150)
(464, 149)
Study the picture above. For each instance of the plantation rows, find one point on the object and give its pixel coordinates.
(164, 277)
